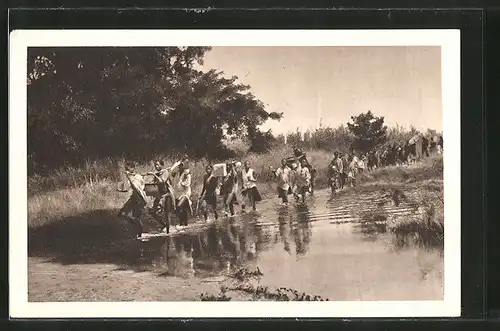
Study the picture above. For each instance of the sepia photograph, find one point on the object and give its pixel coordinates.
(260, 169)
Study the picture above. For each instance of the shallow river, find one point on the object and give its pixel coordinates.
(319, 248)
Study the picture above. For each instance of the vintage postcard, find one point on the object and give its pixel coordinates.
(154, 172)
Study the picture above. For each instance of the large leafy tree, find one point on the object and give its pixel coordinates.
(97, 102)
(369, 131)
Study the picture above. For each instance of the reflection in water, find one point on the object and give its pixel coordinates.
(302, 232)
(338, 262)
(284, 227)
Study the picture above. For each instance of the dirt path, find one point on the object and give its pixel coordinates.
(52, 282)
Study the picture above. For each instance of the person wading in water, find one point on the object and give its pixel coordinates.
(184, 204)
(229, 188)
(298, 156)
(137, 201)
(303, 180)
(165, 201)
(208, 194)
(250, 191)
(283, 176)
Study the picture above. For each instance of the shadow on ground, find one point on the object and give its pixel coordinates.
(95, 237)
(101, 237)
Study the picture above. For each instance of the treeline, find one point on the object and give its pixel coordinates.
(89, 103)
(363, 133)
(94, 103)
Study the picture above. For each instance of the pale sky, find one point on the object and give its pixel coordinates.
(306, 83)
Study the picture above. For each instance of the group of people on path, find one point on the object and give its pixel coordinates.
(238, 187)
(294, 177)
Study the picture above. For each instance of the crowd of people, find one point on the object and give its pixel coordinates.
(237, 186)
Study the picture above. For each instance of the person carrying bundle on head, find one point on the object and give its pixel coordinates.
(298, 156)
(302, 180)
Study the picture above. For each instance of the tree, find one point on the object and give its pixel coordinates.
(94, 102)
(261, 141)
(369, 131)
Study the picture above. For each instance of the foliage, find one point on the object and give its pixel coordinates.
(369, 131)
(110, 102)
(222, 296)
(326, 139)
(244, 275)
(262, 142)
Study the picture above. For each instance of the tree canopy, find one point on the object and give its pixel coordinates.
(369, 131)
(91, 102)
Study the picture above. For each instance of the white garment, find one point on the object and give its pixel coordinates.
(138, 183)
(184, 185)
(303, 177)
(283, 175)
(248, 178)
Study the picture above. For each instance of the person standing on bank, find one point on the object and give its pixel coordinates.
(208, 194)
(249, 191)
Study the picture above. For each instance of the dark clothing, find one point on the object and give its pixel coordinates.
(182, 210)
(228, 190)
(254, 196)
(302, 156)
(283, 194)
(210, 184)
(345, 165)
(134, 204)
(253, 193)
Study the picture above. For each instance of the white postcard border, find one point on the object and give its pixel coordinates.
(20, 40)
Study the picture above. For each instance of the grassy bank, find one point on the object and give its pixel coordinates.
(419, 188)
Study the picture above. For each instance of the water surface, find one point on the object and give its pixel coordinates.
(320, 247)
